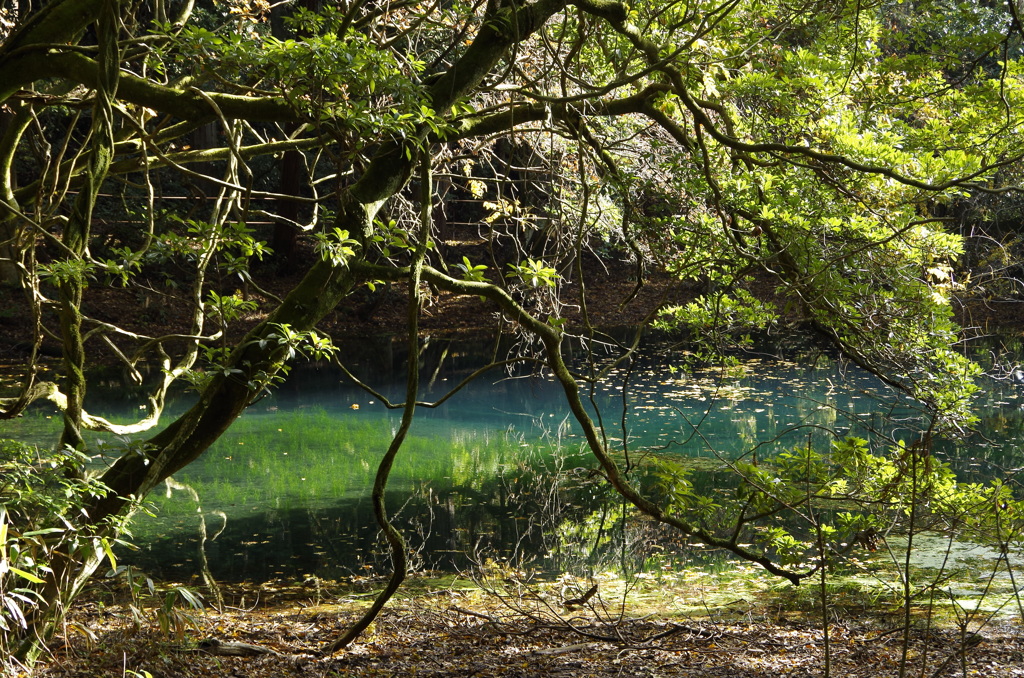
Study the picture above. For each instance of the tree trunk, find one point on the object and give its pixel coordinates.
(14, 120)
(286, 233)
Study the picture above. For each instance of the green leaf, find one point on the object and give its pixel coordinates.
(105, 544)
(28, 576)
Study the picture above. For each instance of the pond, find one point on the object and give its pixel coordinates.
(498, 471)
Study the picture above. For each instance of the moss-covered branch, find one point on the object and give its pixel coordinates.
(508, 118)
(194, 106)
(23, 58)
(551, 337)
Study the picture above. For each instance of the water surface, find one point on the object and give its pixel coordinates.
(285, 492)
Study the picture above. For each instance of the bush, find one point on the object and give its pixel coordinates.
(38, 491)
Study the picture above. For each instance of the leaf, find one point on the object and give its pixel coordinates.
(15, 611)
(34, 533)
(26, 575)
(105, 544)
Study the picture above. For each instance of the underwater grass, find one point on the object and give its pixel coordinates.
(313, 457)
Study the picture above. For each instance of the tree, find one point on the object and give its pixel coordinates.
(715, 139)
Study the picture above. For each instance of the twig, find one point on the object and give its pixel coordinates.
(471, 613)
(568, 648)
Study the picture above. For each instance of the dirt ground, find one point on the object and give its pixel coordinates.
(458, 632)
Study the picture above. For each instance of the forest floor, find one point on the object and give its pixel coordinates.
(456, 630)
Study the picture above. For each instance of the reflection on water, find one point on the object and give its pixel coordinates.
(286, 489)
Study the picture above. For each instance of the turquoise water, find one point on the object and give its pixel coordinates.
(499, 467)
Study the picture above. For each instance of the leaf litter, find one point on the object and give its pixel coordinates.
(458, 630)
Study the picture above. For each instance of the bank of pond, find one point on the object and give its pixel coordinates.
(499, 473)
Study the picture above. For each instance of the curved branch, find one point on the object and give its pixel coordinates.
(386, 402)
(493, 122)
(57, 22)
(396, 542)
(194, 106)
(551, 337)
